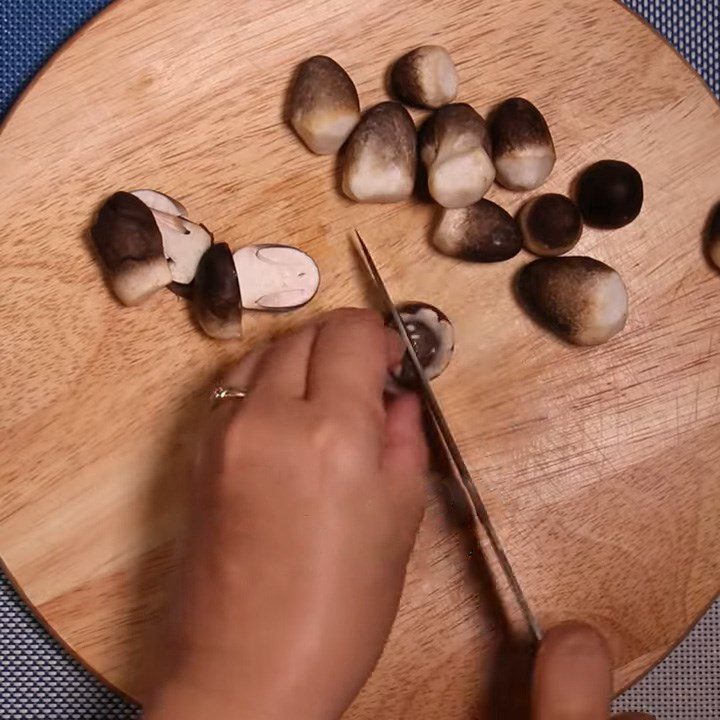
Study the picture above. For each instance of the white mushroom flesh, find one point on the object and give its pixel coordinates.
(156, 200)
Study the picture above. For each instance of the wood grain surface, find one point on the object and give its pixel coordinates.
(599, 466)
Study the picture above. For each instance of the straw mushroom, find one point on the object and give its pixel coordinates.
(523, 148)
(551, 224)
(483, 232)
(610, 194)
(580, 299)
(455, 148)
(433, 338)
(425, 77)
(324, 105)
(257, 277)
(381, 156)
(713, 236)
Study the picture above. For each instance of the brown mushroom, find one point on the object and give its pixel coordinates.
(551, 224)
(381, 156)
(130, 245)
(610, 194)
(483, 232)
(523, 148)
(713, 236)
(455, 148)
(580, 299)
(324, 105)
(425, 77)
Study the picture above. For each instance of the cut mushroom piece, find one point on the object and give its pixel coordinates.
(324, 105)
(610, 194)
(156, 200)
(482, 232)
(216, 294)
(425, 77)
(580, 299)
(184, 243)
(130, 245)
(523, 148)
(551, 224)
(455, 148)
(433, 338)
(381, 156)
(275, 277)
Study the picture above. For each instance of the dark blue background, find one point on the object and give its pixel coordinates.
(38, 681)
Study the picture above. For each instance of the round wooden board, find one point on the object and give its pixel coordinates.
(599, 466)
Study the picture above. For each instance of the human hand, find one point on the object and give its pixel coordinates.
(309, 493)
(573, 676)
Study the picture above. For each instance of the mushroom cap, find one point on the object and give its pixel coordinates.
(216, 296)
(610, 194)
(129, 243)
(483, 232)
(433, 338)
(455, 148)
(523, 148)
(275, 277)
(551, 224)
(581, 299)
(713, 244)
(425, 77)
(324, 105)
(156, 200)
(381, 156)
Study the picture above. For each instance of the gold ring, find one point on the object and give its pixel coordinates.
(225, 393)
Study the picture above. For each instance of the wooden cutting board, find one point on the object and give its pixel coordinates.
(600, 466)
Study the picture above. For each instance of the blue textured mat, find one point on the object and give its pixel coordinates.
(38, 681)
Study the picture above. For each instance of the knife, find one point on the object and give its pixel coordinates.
(477, 506)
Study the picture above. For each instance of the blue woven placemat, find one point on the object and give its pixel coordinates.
(39, 681)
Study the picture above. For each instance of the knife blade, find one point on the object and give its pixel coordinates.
(475, 502)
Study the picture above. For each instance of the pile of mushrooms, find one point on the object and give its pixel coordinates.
(147, 243)
(463, 155)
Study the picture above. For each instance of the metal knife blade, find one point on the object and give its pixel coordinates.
(476, 503)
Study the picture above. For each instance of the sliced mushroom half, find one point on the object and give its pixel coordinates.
(257, 277)
(324, 105)
(381, 156)
(455, 148)
(156, 200)
(523, 148)
(433, 338)
(581, 299)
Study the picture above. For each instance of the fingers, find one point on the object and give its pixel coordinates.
(573, 675)
(406, 451)
(283, 370)
(350, 359)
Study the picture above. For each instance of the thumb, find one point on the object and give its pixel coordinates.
(573, 675)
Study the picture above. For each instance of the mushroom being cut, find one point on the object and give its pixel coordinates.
(580, 299)
(257, 277)
(324, 105)
(455, 148)
(483, 232)
(433, 338)
(551, 224)
(130, 244)
(523, 148)
(381, 156)
(610, 194)
(425, 77)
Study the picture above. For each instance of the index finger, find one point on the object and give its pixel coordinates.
(573, 675)
(350, 358)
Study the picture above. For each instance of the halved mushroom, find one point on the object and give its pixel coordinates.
(184, 243)
(580, 299)
(483, 232)
(381, 156)
(523, 148)
(433, 338)
(130, 244)
(713, 236)
(156, 200)
(324, 105)
(551, 224)
(425, 77)
(257, 277)
(455, 147)
(610, 194)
